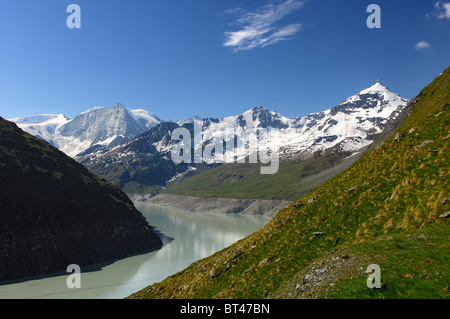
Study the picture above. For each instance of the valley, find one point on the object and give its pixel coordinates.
(336, 194)
(232, 150)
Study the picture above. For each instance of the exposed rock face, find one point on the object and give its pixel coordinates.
(138, 160)
(54, 212)
(217, 205)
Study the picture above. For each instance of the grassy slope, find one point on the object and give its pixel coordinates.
(383, 210)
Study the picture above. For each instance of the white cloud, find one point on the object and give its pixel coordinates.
(422, 45)
(258, 28)
(441, 10)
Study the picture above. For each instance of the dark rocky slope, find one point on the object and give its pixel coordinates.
(54, 212)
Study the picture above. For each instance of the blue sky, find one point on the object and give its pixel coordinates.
(214, 58)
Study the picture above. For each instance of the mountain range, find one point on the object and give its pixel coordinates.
(132, 148)
(299, 171)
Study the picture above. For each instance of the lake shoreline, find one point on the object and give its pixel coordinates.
(187, 237)
(262, 207)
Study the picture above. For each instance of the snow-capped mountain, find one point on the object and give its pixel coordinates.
(98, 127)
(101, 127)
(350, 126)
(354, 124)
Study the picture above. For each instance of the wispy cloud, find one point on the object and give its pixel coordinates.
(259, 29)
(422, 45)
(441, 11)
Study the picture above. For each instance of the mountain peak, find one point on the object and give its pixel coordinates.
(377, 87)
(119, 106)
(259, 109)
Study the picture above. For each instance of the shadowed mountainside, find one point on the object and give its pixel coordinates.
(54, 212)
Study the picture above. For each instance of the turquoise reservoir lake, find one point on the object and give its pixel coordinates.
(187, 237)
